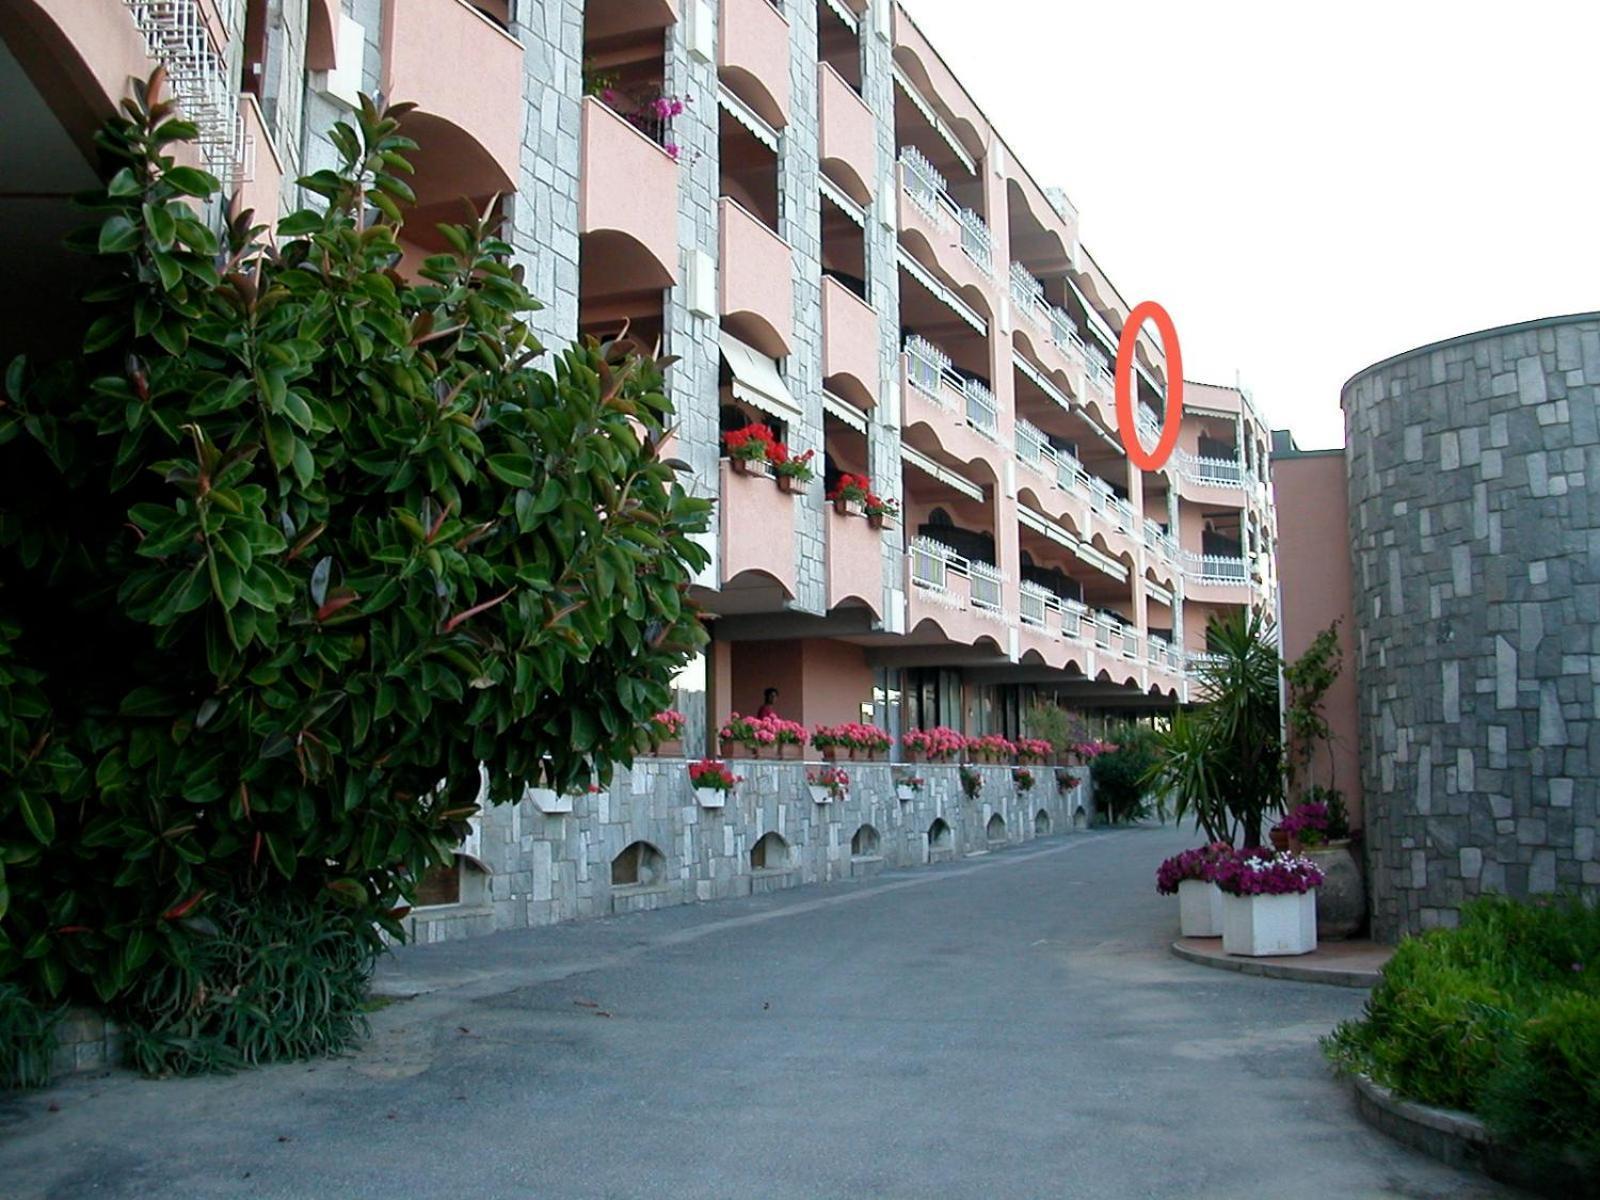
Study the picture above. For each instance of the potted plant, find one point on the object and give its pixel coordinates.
(749, 447)
(752, 735)
(870, 743)
(827, 784)
(557, 802)
(1188, 876)
(991, 748)
(880, 510)
(851, 489)
(666, 733)
(1033, 751)
(788, 737)
(793, 471)
(971, 781)
(1269, 902)
(907, 786)
(712, 782)
(1022, 778)
(1066, 780)
(939, 744)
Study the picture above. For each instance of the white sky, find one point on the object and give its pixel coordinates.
(1306, 189)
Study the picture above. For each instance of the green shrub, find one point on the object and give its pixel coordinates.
(287, 552)
(279, 980)
(1120, 774)
(27, 1038)
(1500, 1017)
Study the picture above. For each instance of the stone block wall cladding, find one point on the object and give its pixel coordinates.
(1474, 474)
(546, 868)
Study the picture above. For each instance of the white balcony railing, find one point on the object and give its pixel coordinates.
(1217, 472)
(1214, 568)
(954, 580)
(930, 193)
(176, 35)
(1099, 367)
(1047, 320)
(1037, 605)
(928, 369)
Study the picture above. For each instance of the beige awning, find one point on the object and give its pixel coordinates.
(756, 379)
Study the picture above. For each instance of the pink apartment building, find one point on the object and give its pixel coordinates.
(805, 207)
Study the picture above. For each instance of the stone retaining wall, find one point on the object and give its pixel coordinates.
(525, 868)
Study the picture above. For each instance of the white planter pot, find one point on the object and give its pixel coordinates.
(904, 791)
(548, 800)
(820, 793)
(1199, 909)
(711, 797)
(1256, 926)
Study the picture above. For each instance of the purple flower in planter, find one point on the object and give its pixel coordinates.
(1190, 864)
(1259, 872)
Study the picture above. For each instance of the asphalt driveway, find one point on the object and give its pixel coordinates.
(1006, 1026)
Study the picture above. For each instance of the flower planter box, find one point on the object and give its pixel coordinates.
(670, 748)
(916, 756)
(820, 794)
(905, 792)
(1199, 909)
(791, 485)
(1260, 926)
(791, 752)
(711, 797)
(741, 749)
(548, 800)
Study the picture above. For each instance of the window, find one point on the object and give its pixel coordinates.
(640, 865)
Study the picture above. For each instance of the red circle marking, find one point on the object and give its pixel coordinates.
(1129, 430)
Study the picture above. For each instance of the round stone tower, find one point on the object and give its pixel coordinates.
(1474, 473)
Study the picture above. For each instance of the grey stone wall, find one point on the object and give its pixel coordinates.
(546, 868)
(1475, 524)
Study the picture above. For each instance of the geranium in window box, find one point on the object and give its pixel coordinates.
(749, 448)
(665, 732)
(713, 782)
(792, 471)
(747, 737)
(851, 489)
(907, 785)
(1269, 902)
(971, 782)
(1067, 780)
(1033, 751)
(789, 737)
(991, 748)
(938, 744)
(556, 802)
(853, 740)
(1188, 877)
(880, 510)
(1022, 778)
(828, 784)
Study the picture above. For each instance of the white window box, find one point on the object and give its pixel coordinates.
(905, 792)
(548, 800)
(711, 797)
(820, 793)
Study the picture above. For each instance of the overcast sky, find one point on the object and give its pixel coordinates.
(1306, 189)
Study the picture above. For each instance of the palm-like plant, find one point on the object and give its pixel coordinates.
(1224, 761)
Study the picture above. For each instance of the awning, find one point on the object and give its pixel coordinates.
(748, 117)
(756, 379)
(943, 474)
(844, 411)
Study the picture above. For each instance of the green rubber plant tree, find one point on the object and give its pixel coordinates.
(294, 548)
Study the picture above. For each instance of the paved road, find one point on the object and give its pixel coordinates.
(1007, 1026)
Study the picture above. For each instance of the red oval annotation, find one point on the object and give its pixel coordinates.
(1155, 459)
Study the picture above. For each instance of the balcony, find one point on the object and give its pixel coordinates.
(756, 278)
(757, 539)
(1211, 473)
(855, 562)
(464, 73)
(962, 596)
(1219, 579)
(753, 55)
(628, 199)
(961, 412)
(849, 149)
(849, 344)
(1049, 324)
(959, 237)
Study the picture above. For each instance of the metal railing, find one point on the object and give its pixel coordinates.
(929, 370)
(1047, 319)
(929, 192)
(1037, 603)
(1099, 366)
(1214, 568)
(175, 35)
(1218, 472)
(955, 580)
